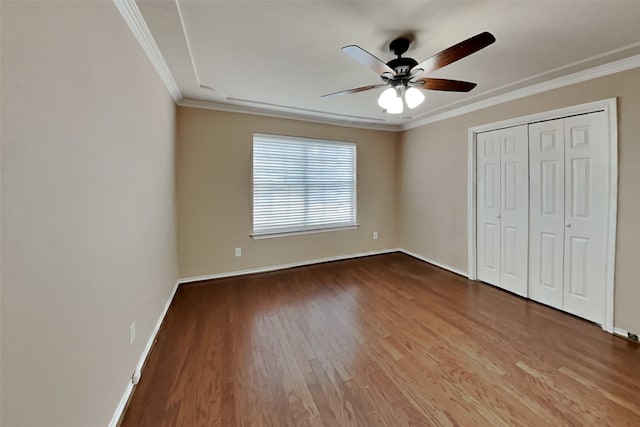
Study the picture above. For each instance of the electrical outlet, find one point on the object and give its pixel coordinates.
(238, 251)
(132, 333)
(375, 235)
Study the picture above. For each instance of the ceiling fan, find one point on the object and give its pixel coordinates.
(400, 73)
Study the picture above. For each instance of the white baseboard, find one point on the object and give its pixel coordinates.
(284, 266)
(143, 358)
(623, 333)
(436, 263)
(318, 261)
(121, 405)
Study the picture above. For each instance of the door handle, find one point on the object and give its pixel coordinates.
(568, 225)
(498, 217)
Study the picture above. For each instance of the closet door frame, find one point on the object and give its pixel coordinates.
(609, 106)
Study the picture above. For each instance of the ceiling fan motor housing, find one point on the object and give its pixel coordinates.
(402, 67)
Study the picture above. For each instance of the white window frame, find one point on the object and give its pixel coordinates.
(300, 230)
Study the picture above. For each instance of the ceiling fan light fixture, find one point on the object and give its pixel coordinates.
(413, 97)
(386, 97)
(400, 73)
(396, 106)
(391, 101)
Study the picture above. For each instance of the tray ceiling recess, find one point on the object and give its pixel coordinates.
(278, 58)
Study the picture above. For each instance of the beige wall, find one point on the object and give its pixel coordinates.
(214, 194)
(89, 198)
(88, 222)
(433, 180)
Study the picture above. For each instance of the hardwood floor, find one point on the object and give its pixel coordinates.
(379, 341)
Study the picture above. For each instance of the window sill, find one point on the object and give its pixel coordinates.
(302, 232)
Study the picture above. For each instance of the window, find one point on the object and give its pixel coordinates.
(302, 184)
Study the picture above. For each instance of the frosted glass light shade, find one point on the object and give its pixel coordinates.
(413, 97)
(395, 107)
(391, 101)
(386, 97)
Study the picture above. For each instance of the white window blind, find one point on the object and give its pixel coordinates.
(302, 184)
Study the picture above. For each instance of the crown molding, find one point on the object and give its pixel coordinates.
(188, 43)
(291, 114)
(132, 16)
(578, 77)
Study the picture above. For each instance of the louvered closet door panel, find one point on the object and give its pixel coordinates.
(586, 202)
(514, 198)
(546, 159)
(488, 206)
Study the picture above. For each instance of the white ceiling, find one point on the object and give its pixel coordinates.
(283, 55)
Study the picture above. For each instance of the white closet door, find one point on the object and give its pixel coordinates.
(514, 231)
(546, 157)
(488, 206)
(586, 202)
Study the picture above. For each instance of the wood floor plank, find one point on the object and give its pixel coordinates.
(379, 341)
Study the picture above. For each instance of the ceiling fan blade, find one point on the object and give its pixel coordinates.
(354, 90)
(360, 55)
(443, 84)
(456, 52)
